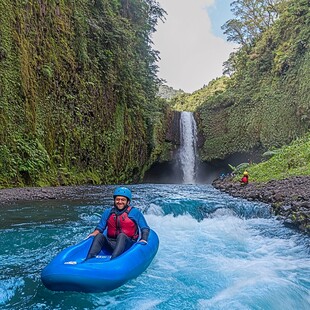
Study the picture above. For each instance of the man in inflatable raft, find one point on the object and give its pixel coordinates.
(122, 223)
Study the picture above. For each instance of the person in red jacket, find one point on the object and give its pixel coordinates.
(122, 223)
(245, 178)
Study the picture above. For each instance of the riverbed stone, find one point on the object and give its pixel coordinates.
(289, 198)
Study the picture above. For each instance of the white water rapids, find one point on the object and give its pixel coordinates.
(215, 252)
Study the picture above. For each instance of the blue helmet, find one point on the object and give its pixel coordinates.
(122, 191)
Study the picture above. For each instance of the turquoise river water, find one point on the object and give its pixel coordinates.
(216, 252)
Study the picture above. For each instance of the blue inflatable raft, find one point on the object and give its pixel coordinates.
(69, 272)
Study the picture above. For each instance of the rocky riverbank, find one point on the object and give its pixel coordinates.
(42, 193)
(289, 198)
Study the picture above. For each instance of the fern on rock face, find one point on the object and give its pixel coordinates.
(291, 160)
(74, 76)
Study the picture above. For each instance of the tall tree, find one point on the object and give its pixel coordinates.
(252, 17)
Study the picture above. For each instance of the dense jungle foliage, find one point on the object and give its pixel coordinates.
(78, 91)
(168, 92)
(190, 102)
(290, 160)
(266, 101)
(277, 164)
(263, 101)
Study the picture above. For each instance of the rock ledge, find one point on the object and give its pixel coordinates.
(289, 198)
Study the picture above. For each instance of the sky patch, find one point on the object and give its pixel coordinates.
(191, 47)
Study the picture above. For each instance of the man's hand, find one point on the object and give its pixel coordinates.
(93, 234)
(142, 241)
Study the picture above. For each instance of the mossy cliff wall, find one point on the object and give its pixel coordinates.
(77, 91)
(266, 102)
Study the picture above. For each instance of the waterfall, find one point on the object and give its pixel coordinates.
(188, 149)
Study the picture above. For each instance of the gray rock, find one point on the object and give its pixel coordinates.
(289, 198)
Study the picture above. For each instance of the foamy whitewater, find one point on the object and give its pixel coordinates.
(216, 252)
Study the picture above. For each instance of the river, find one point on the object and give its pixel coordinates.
(216, 252)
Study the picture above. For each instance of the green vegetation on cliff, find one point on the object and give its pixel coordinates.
(78, 91)
(190, 102)
(266, 101)
(291, 160)
(265, 104)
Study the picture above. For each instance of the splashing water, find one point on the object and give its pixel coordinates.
(216, 252)
(188, 153)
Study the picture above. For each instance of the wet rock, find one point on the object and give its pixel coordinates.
(289, 198)
(38, 193)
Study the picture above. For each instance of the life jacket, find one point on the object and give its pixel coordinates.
(118, 223)
(245, 180)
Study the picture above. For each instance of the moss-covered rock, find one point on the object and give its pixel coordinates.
(289, 198)
(78, 91)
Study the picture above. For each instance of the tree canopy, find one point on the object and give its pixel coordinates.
(252, 17)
